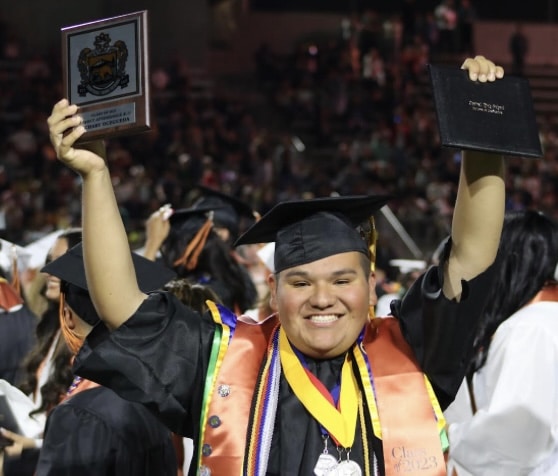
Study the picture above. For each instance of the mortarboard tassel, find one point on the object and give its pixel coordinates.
(73, 341)
(16, 283)
(372, 239)
(189, 258)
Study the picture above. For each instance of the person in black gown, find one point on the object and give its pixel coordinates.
(229, 385)
(17, 332)
(94, 431)
(191, 243)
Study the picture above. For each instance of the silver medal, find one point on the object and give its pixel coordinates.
(326, 462)
(346, 468)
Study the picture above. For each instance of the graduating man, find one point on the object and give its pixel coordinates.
(319, 388)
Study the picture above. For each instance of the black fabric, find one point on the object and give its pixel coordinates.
(97, 433)
(24, 465)
(80, 302)
(442, 335)
(17, 337)
(160, 357)
(70, 268)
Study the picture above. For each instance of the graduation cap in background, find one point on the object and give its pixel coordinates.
(309, 230)
(71, 270)
(265, 254)
(187, 217)
(190, 228)
(10, 251)
(229, 211)
(38, 250)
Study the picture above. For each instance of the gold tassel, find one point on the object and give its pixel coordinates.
(16, 284)
(372, 239)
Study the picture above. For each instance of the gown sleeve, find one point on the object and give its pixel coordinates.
(159, 358)
(441, 331)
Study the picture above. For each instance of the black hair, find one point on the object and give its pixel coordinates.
(192, 294)
(216, 268)
(45, 333)
(526, 261)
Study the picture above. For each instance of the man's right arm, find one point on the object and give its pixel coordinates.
(111, 278)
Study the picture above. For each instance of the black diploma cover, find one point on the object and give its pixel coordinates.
(495, 116)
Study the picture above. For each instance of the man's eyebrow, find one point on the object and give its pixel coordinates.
(296, 273)
(303, 274)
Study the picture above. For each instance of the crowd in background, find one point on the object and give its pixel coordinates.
(349, 112)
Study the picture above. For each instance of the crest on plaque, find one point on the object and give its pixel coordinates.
(103, 69)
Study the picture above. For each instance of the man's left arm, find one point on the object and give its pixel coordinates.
(480, 204)
(439, 314)
(477, 220)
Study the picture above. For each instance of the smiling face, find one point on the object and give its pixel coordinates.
(323, 305)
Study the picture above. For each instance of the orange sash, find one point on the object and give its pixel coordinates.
(409, 432)
(229, 410)
(410, 435)
(9, 297)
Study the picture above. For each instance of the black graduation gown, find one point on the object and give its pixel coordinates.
(160, 357)
(97, 433)
(17, 336)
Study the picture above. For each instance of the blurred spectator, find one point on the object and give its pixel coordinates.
(518, 47)
(355, 103)
(408, 21)
(466, 17)
(17, 330)
(446, 18)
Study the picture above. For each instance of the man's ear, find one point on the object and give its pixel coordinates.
(69, 318)
(272, 283)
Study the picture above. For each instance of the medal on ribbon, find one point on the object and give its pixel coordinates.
(338, 420)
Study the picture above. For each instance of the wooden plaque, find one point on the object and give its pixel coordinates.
(105, 72)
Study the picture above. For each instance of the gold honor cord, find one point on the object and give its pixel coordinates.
(340, 424)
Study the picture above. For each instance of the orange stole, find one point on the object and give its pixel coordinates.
(409, 431)
(9, 297)
(410, 437)
(226, 427)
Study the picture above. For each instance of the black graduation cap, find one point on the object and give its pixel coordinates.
(229, 210)
(71, 270)
(182, 216)
(185, 223)
(309, 230)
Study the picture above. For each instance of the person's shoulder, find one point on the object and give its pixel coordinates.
(540, 314)
(125, 418)
(20, 320)
(534, 323)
